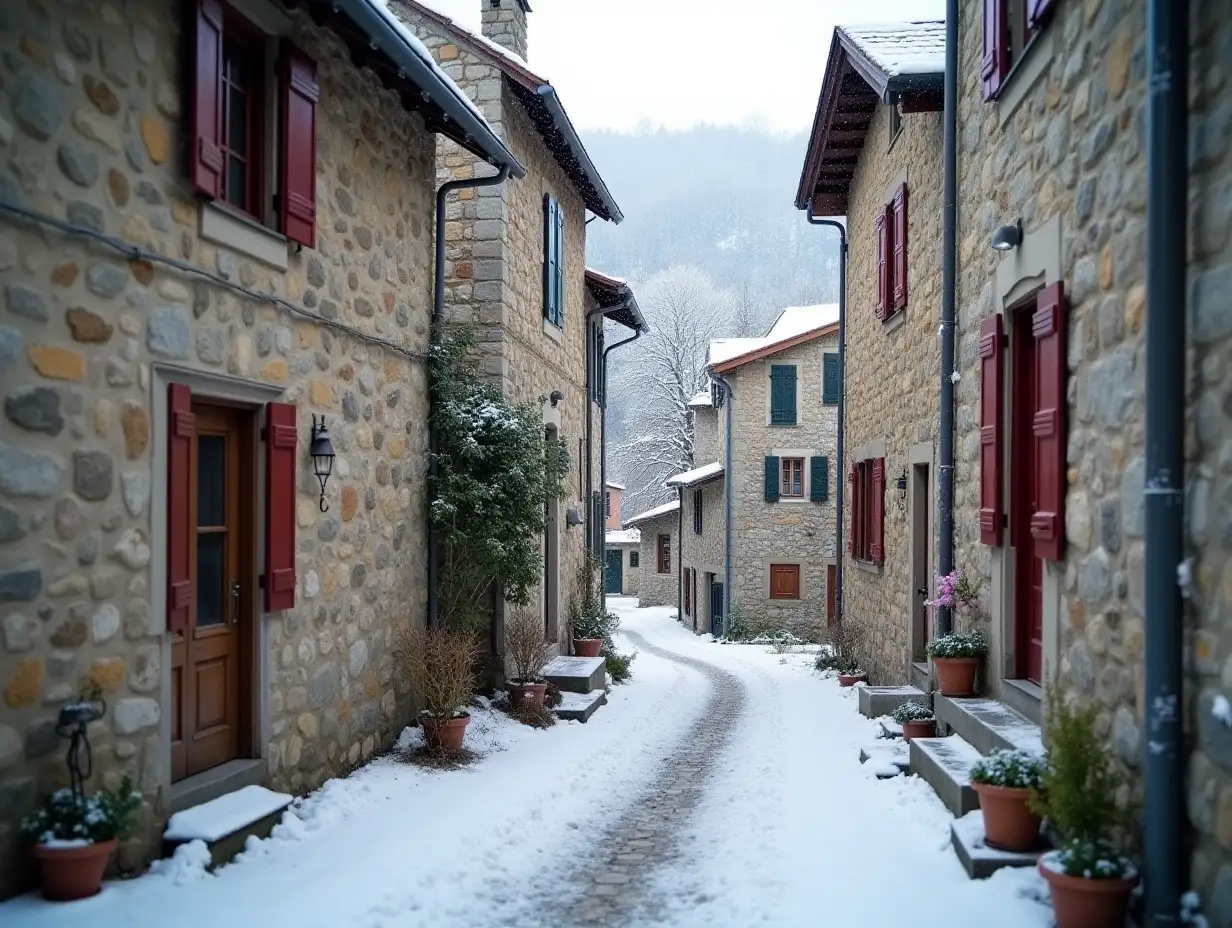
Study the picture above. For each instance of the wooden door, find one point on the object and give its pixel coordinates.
(210, 685)
(615, 571)
(1028, 569)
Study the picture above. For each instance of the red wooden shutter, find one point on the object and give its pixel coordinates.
(991, 342)
(1038, 12)
(280, 483)
(995, 62)
(899, 209)
(853, 480)
(298, 203)
(205, 127)
(876, 547)
(883, 258)
(1048, 328)
(181, 431)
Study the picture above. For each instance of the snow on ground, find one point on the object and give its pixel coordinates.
(792, 830)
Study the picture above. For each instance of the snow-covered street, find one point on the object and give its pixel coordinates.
(720, 787)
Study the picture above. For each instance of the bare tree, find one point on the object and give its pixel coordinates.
(685, 312)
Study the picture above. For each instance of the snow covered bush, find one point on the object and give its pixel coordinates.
(526, 645)
(619, 666)
(1091, 860)
(1013, 769)
(89, 820)
(958, 644)
(911, 711)
(439, 665)
(826, 660)
(588, 614)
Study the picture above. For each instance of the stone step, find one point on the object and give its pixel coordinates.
(876, 701)
(888, 762)
(977, 858)
(890, 729)
(225, 823)
(945, 765)
(579, 707)
(988, 724)
(577, 674)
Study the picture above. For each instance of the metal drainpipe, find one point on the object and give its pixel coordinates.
(679, 556)
(728, 400)
(949, 278)
(1163, 838)
(438, 317)
(841, 468)
(589, 501)
(637, 333)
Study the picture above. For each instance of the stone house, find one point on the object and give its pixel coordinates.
(162, 386)
(874, 156)
(781, 394)
(515, 269)
(612, 493)
(623, 560)
(659, 554)
(701, 538)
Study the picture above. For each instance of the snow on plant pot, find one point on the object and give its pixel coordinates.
(440, 666)
(916, 719)
(528, 653)
(1004, 781)
(73, 836)
(849, 673)
(957, 658)
(1090, 883)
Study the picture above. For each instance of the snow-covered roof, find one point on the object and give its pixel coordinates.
(614, 485)
(791, 322)
(696, 475)
(702, 399)
(901, 48)
(655, 513)
(628, 536)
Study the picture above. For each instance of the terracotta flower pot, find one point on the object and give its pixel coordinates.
(851, 679)
(956, 675)
(587, 647)
(920, 728)
(522, 694)
(72, 872)
(1009, 823)
(444, 734)
(1082, 903)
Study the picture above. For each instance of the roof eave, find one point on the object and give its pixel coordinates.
(829, 91)
(724, 367)
(608, 208)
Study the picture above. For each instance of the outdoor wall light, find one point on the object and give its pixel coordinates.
(902, 490)
(574, 516)
(322, 452)
(1007, 238)
(556, 398)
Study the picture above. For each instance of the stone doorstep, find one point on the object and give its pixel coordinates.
(945, 765)
(988, 724)
(890, 729)
(977, 858)
(231, 837)
(876, 701)
(896, 757)
(579, 707)
(577, 674)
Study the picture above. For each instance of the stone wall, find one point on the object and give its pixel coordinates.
(92, 131)
(654, 588)
(707, 435)
(786, 531)
(893, 373)
(703, 553)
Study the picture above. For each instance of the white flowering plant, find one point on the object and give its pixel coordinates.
(958, 644)
(1012, 769)
(911, 711)
(66, 817)
(1092, 860)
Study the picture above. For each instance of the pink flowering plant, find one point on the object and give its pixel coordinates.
(957, 591)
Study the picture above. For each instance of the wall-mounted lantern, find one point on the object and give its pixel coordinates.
(573, 516)
(902, 491)
(1007, 238)
(556, 398)
(322, 452)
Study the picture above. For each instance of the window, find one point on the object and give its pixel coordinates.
(1009, 28)
(635, 557)
(791, 478)
(607, 504)
(554, 264)
(829, 378)
(784, 581)
(665, 554)
(782, 394)
(891, 229)
(234, 131)
(697, 512)
(867, 479)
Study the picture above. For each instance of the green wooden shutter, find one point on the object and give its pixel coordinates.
(772, 479)
(559, 243)
(549, 258)
(819, 479)
(829, 379)
(783, 394)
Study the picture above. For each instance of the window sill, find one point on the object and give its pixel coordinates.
(554, 332)
(1024, 75)
(792, 499)
(224, 227)
(869, 567)
(782, 425)
(894, 321)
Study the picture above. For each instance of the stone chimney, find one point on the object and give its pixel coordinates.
(504, 22)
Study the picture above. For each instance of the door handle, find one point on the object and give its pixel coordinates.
(921, 592)
(235, 602)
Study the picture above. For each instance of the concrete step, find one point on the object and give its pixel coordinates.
(225, 823)
(977, 858)
(890, 729)
(882, 700)
(579, 707)
(945, 765)
(987, 724)
(888, 762)
(576, 674)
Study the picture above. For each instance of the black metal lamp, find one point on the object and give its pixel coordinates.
(72, 722)
(902, 490)
(1007, 238)
(322, 452)
(556, 398)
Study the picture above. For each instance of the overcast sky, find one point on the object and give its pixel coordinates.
(629, 64)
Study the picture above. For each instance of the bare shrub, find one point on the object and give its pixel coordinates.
(526, 647)
(535, 716)
(439, 665)
(844, 646)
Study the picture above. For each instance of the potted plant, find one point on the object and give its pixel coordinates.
(956, 657)
(590, 623)
(916, 718)
(440, 666)
(528, 652)
(72, 837)
(849, 672)
(1089, 878)
(1005, 781)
